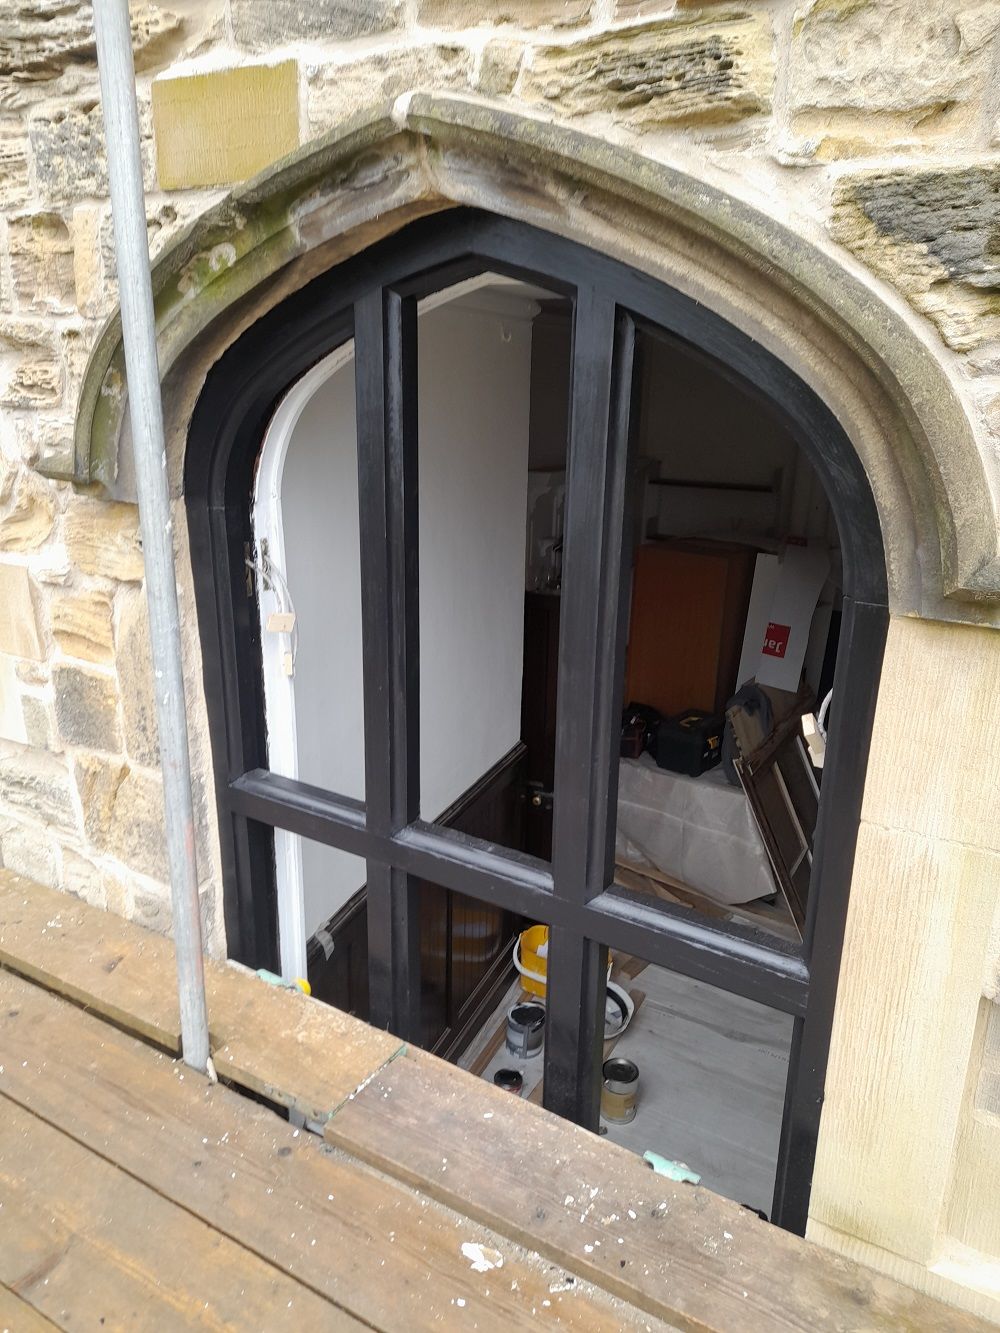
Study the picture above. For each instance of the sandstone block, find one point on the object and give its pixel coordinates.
(135, 679)
(29, 517)
(499, 66)
(127, 819)
(521, 13)
(939, 692)
(97, 781)
(38, 786)
(90, 281)
(866, 72)
(12, 723)
(41, 262)
(46, 443)
(633, 9)
(67, 144)
(15, 188)
(40, 39)
(74, 343)
(932, 235)
(152, 909)
(225, 126)
(39, 723)
(103, 538)
(81, 625)
(336, 92)
(93, 883)
(86, 708)
(263, 26)
(30, 852)
(30, 370)
(708, 67)
(19, 634)
(32, 673)
(68, 147)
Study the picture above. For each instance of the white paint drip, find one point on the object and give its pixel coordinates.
(481, 1257)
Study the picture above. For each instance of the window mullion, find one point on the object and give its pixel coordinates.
(593, 622)
(385, 367)
(589, 689)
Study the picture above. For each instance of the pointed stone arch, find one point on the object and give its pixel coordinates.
(871, 361)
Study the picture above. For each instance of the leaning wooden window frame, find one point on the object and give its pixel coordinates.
(372, 298)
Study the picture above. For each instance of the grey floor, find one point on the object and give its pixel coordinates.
(712, 1073)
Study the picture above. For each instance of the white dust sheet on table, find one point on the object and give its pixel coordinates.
(700, 831)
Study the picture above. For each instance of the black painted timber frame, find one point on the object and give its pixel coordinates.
(373, 299)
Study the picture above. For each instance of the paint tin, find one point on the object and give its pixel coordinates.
(526, 1029)
(619, 1090)
(511, 1080)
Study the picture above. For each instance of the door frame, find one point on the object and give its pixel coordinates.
(267, 564)
(373, 297)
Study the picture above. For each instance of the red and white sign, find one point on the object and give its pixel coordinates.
(776, 639)
(782, 603)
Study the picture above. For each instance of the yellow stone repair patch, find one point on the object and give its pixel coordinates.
(225, 126)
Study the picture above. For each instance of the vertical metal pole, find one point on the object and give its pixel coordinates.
(121, 123)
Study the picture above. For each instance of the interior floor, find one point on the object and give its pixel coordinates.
(712, 1071)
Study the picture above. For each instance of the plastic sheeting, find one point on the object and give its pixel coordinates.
(700, 831)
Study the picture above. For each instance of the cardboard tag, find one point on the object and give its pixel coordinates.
(281, 622)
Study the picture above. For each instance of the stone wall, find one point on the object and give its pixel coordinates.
(871, 127)
(874, 123)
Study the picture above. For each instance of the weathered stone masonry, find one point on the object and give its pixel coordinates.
(869, 128)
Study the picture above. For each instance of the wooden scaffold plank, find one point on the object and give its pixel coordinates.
(685, 1255)
(273, 1041)
(392, 1259)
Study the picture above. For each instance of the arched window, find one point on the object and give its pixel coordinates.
(614, 314)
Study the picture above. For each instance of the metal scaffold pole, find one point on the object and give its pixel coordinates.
(121, 122)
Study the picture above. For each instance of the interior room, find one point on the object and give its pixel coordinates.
(729, 665)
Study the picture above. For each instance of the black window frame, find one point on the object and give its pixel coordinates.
(373, 299)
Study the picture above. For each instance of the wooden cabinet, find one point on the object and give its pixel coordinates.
(689, 608)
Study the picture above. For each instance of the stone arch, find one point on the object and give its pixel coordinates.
(819, 312)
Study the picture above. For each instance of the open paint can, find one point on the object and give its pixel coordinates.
(619, 1090)
(526, 1029)
(510, 1080)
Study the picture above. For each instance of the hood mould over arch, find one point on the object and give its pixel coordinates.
(841, 332)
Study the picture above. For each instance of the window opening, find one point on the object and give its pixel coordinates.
(733, 624)
(446, 896)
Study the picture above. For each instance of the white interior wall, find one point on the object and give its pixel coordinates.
(474, 373)
(694, 426)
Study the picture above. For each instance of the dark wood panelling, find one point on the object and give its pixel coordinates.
(465, 944)
(539, 693)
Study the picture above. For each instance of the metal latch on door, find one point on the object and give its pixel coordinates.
(538, 797)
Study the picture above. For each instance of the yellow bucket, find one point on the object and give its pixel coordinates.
(531, 950)
(529, 962)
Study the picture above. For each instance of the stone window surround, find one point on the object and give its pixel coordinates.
(821, 313)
